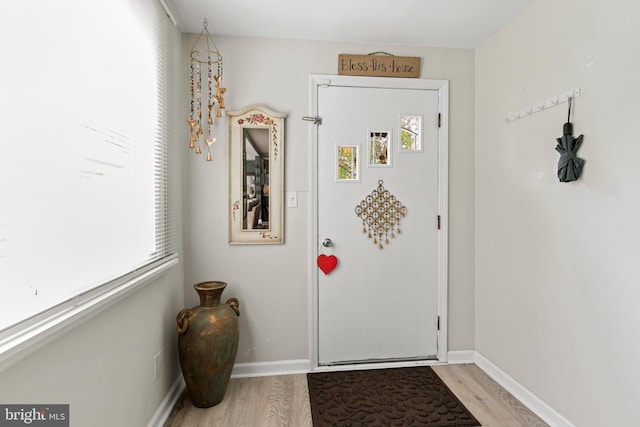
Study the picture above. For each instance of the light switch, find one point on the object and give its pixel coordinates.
(292, 199)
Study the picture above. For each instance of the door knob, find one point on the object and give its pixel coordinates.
(327, 243)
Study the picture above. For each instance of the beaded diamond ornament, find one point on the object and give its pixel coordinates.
(380, 213)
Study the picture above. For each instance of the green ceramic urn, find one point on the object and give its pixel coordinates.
(208, 343)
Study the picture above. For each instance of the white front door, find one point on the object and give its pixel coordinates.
(383, 300)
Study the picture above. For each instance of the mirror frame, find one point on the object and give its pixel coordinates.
(256, 117)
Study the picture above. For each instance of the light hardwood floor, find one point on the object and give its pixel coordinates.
(283, 401)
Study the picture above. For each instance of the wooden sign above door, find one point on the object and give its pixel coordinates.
(378, 65)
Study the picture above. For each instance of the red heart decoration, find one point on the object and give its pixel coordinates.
(327, 263)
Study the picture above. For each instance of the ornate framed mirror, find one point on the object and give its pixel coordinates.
(256, 176)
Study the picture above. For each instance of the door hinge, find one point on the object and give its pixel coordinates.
(438, 323)
(439, 119)
(315, 119)
(438, 222)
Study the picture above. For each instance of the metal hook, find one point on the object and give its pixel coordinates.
(327, 243)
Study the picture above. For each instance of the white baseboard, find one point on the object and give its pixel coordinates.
(265, 369)
(461, 356)
(166, 406)
(530, 400)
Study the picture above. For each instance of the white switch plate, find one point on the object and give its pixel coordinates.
(292, 199)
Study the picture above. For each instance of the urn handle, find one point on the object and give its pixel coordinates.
(183, 320)
(234, 304)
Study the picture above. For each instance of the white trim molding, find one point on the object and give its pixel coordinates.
(166, 406)
(528, 399)
(461, 356)
(266, 369)
(19, 341)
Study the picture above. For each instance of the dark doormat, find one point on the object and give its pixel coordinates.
(406, 397)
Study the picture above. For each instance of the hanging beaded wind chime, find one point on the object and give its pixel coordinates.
(201, 58)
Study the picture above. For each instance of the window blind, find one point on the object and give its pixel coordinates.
(84, 128)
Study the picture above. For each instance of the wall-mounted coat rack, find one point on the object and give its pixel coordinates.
(543, 105)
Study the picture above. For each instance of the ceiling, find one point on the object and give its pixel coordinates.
(259, 140)
(436, 23)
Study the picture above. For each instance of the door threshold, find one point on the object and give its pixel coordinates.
(377, 364)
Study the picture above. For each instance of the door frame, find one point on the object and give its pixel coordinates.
(442, 86)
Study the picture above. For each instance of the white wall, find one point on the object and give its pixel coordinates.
(103, 368)
(557, 266)
(272, 282)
